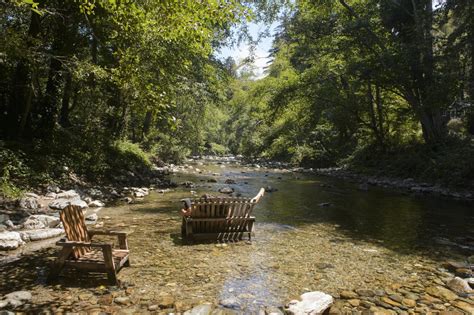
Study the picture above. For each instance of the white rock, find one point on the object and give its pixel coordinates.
(311, 303)
(10, 240)
(19, 295)
(92, 217)
(60, 204)
(50, 195)
(67, 195)
(29, 203)
(96, 203)
(32, 195)
(40, 221)
(40, 234)
(460, 286)
(3, 303)
(203, 309)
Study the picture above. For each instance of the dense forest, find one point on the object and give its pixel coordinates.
(97, 87)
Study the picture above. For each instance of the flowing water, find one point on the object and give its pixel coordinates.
(313, 233)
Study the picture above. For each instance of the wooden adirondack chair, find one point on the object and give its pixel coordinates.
(78, 249)
(220, 218)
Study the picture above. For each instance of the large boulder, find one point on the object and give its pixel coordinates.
(311, 303)
(40, 221)
(96, 203)
(70, 194)
(10, 240)
(30, 203)
(40, 234)
(3, 218)
(460, 286)
(60, 204)
(17, 298)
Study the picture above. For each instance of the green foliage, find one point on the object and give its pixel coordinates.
(125, 155)
(12, 170)
(170, 149)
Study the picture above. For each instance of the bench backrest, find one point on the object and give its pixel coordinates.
(224, 207)
(75, 228)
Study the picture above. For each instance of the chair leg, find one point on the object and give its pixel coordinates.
(58, 265)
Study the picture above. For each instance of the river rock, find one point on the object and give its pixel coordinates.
(348, 295)
(324, 204)
(467, 307)
(10, 240)
(17, 298)
(40, 221)
(229, 181)
(60, 204)
(122, 300)
(460, 286)
(441, 293)
(96, 204)
(212, 180)
(69, 194)
(203, 309)
(3, 218)
(40, 234)
(28, 203)
(311, 303)
(226, 190)
(270, 189)
(230, 303)
(93, 217)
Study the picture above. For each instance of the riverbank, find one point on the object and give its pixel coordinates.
(299, 246)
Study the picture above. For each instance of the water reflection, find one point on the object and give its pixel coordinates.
(400, 221)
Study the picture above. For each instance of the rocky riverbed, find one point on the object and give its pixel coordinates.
(290, 254)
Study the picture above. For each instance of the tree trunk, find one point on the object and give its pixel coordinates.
(64, 115)
(21, 96)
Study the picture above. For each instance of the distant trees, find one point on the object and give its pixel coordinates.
(349, 74)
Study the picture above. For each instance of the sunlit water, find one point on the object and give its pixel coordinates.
(314, 233)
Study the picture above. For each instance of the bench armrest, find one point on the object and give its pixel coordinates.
(106, 232)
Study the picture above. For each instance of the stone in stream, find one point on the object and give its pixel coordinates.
(40, 234)
(203, 309)
(40, 221)
(28, 203)
(460, 286)
(348, 294)
(229, 181)
(441, 293)
(16, 299)
(96, 204)
(226, 190)
(270, 189)
(10, 240)
(324, 204)
(212, 180)
(311, 303)
(231, 302)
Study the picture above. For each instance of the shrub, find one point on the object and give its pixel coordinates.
(125, 155)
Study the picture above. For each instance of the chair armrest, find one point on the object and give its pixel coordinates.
(65, 243)
(122, 236)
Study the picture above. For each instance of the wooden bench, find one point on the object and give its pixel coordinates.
(220, 218)
(79, 251)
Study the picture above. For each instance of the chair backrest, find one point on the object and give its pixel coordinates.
(75, 228)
